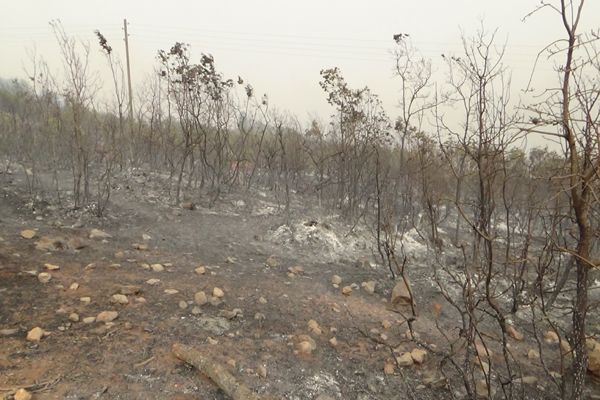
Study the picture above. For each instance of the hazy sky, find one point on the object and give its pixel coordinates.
(280, 46)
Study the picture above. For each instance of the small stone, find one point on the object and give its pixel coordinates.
(89, 320)
(146, 236)
(347, 290)
(297, 270)
(304, 347)
(262, 371)
(389, 368)
(107, 316)
(336, 279)
(385, 324)
(481, 389)
(22, 394)
(74, 317)
(140, 246)
(217, 292)
(418, 355)
(35, 335)
(533, 354)
(171, 291)
(129, 290)
(140, 300)
(231, 314)
(551, 337)
(188, 205)
(314, 327)
(44, 277)
(200, 298)
(196, 310)
(76, 244)
(212, 341)
(157, 267)
(85, 300)
(401, 294)
(272, 262)
(119, 299)
(28, 234)
(200, 270)
(74, 286)
(512, 332)
(333, 342)
(405, 360)
(369, 287)
(152, 281)
(259, 317)
(231, 362)
(98, 234)
(183, 304)
(51, 267)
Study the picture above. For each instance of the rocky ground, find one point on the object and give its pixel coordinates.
(90, 307)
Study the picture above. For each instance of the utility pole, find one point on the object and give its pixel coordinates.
(128, 75)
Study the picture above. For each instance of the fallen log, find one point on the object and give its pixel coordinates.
(216, 372)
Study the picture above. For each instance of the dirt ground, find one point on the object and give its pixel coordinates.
(245, 253)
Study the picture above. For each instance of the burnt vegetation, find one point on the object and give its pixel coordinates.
(511, 231)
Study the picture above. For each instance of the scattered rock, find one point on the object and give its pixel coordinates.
(533, 354)
(336, 280)
(196, 311)
(171, 291)
(214, 325)
(140, 246)
(98, 234)
(146, 237)
(107, 316)
(369, 286)
(212, 341)
(157, 267)
(481, 389)
(47, 243)
(333, 342)
(389, 368)
(28, 233)
(188, 205)
(385, 324)
(85, 300)
(297, 270)
(22, 394)
(74, 317)
(218, 293)
(76, 244)
(200, 270)
(35, 335)
(153, 281)
(44, 277)
(483, 353)
(314, 327)
(259, 317)
(51, 267)
(551, 337)
(74, 286)
(200, 298)
(593, 348)
(129, 290)
(262, 300)
(418, 355)
(405, 360)
(235, 313)
(119, 299)
(347, 290)
(183, 304)
(513, 333)
(89, 320)
(401, 294)
(262, 371)
(272, 262)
